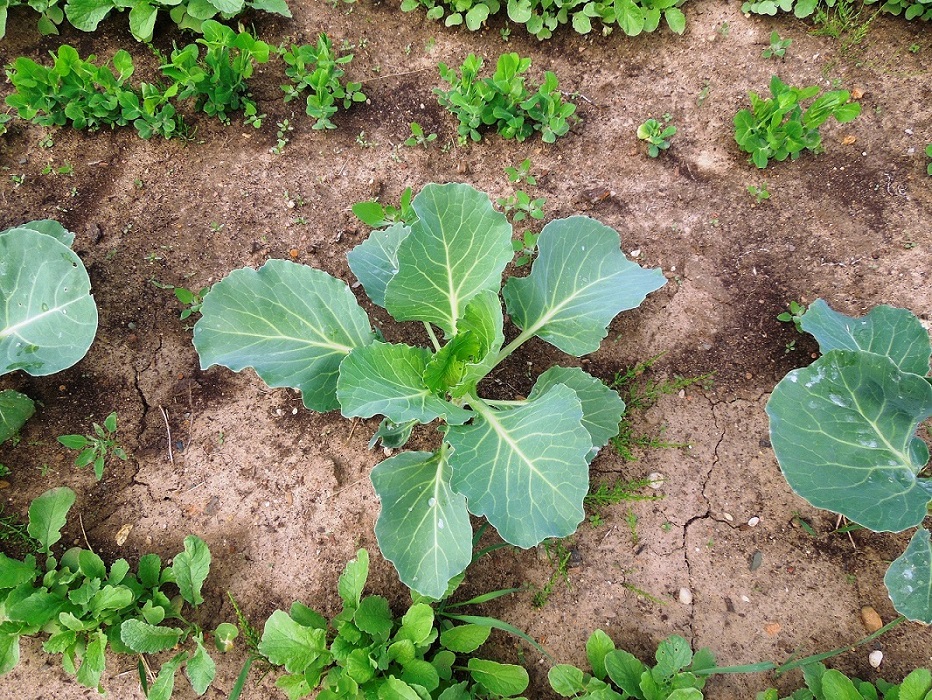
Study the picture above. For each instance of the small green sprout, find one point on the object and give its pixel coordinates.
(929, 153)
(522, 173)
(777, 47)
(96, 449)
(525, 248)
(418, 138)
(657, 135)
(796, 310)
(760, 194)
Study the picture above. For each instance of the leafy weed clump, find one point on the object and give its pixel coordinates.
(503, 102)
(316, 70)
(778, 127)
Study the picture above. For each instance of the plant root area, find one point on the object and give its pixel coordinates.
(728, 557)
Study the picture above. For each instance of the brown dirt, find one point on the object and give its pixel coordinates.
(282, 495)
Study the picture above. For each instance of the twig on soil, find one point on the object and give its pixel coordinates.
(352, 430)
(396, 75)
(81, 522)
(838, 525)
(168, 430)
(579, 95)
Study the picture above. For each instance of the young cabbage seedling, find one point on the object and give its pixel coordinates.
(657, 135)
(299, 327)
(778, 46)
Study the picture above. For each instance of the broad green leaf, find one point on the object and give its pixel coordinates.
(142, 21)
(375, 260)
(278, 7)
(292, 323)
(464, 639)
(286, 643)
(14, 572)
(353, 579)
(417, 624)
(231, 7)
(191, 568)
(200, 669)
(9, 650)
(625, 670)
(519, 11)
(150, 566)
(917, 685)
(909, 579)
(598, 646)
(386, 379)
(501, 679)
(885, 330)
(423, 527)
(458, 247)
(676, 20)
(49, 227)
(165, 681)
(111, 598)
(579, 282)
(15, 410)
(391, 434)
(294, 686)
(525, 468)
(47, 515)
(144, 638)
(566, 680)
(94, 662)
(37, 609)
(629, 17)
(421, 674)
(837, 686)
(691, 694)
(602, 407)
(374, 617)
(397, 689)
(48, 317)
(87, 14)
(306, 616)
(476, 16)
(673, 654)
(843, 430)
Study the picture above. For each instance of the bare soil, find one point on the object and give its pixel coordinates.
(282, 495)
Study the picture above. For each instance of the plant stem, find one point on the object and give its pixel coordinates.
(514, 345)
(493, 402)
(433, 337)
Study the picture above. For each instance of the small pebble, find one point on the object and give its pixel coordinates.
(753, 522)
(871, 619)
(729, 517)
(686, 596)
(756, 560)
(655, 480)
(387, 451)
(875, 658)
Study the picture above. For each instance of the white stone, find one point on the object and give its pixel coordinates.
(655, 480)
(875, 658)
(753, 522)
(686, 596)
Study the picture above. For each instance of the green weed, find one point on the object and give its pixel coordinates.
(96, 449)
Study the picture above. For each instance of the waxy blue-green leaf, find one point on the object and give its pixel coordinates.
(525, 468)
(423, 527)
(48, 318)
(602, 407)
(49, 227)
(47, 515)
(579, 282)
(909, 579)
(15, 410)
(885, 330)
(388, 380)
(293, 324)
(844, 432)
(375, 260)
(458, 247)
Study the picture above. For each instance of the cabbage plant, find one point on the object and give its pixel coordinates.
(48, 318)
(844, 430)
(522, 464)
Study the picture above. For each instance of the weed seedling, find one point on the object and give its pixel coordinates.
(760, 194)
(520, 206)
(796, 310)
(525, 248)
(522, 173)
(96, 449)
(363, 142)
(418, 137)
(929, 154)
(657, 135)
(284, 129)
(778, 46)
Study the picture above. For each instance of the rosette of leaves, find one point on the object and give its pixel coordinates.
(48, 318)
(617, 674)
(85, 608)
(217, 80)
(317, 71)
(187, 14)
(366, 652)
(779, 128)
(844, 430)
(522, 464)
